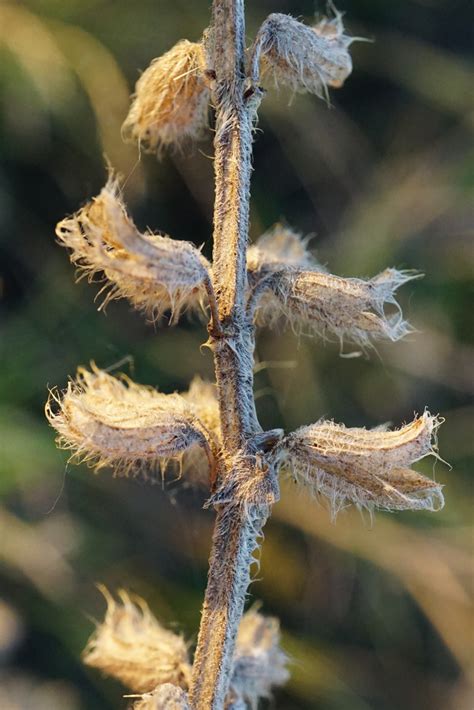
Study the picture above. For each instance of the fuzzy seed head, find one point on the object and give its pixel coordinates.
(171, 99)
(155, 273)
(107, 421)
(304, 58)
(259, 662)
(370, 468)
(279, 247)
(348, 308)
(132, 646)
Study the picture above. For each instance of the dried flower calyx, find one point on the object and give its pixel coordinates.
(132, 646)
(278, 248)
(302, 57)
(154, 272)
(171, 99)
(348, 308)
(259, 662)
(371, 469)
(107, 421)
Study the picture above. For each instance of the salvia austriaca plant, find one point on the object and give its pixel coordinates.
(212, 431)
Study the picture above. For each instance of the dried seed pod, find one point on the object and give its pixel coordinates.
(279, 247)
(368, 468)
(164, 697)
(350, 308)
(154, 272)
(259, 662)
(171, 99)
(301, 57)
(106, 421)
(132, 646)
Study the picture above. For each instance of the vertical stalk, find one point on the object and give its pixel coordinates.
(238, 522)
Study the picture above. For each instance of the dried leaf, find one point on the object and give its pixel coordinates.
(154, 272)
(171, 99)
(301, 57)
(106, 421)
(132, 646)
(368, 468)
(259, 662)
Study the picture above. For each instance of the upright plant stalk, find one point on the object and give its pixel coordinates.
(112, 421)
(238, 524)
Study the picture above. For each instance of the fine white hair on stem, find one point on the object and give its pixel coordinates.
(301, 57)
(171, 99)
(133, 647)
(369, 468)
(155, 273)
(327, 305)
(259, 662)
(112, 422)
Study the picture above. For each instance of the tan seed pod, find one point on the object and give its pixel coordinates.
(347, 308)
(301, 57)
(280, 246)
(171, 99)
(259, 662)
(369, 468)
(164, 697)
(132, 646)
(106, 421)
(155, 273)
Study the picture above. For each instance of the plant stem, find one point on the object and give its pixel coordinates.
(239, 522)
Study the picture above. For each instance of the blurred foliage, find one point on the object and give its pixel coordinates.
(374, 615)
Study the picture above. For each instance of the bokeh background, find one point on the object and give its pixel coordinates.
(374, 615)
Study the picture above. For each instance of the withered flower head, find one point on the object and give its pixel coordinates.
(259, 662)
(348, 308)
(370, 468)
(154, 272)
(302, 57)
(132, 646)
(171, 99)
(107, 421)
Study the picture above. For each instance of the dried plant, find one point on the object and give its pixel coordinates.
(213, 430)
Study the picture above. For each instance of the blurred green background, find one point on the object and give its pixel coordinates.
(374, 616)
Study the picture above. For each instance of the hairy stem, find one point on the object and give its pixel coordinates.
(238, 522)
